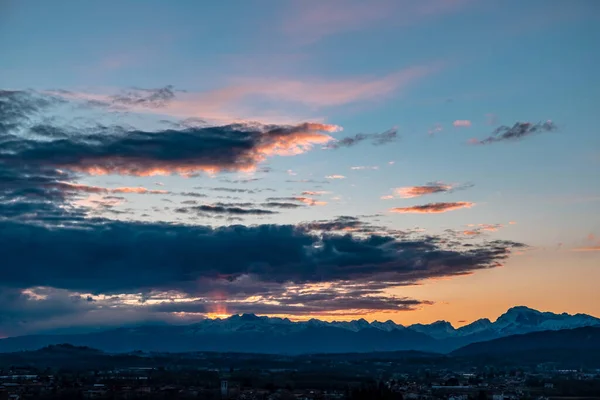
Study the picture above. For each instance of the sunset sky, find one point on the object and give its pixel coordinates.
(161, 162)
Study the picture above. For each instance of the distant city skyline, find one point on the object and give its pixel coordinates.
(386, 160)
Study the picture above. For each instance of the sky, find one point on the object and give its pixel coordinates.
(161, 162)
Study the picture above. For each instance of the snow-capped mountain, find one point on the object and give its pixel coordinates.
(481, 325)
(437, 330)
(516, 320)
(523, 320)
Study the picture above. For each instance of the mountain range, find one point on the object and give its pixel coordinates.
(260, 334)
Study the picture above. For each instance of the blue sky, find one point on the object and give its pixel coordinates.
(441, 73)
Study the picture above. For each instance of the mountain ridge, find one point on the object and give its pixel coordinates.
(253, 333)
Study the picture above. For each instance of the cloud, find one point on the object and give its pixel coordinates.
(462, 123)
(184, 152)
(518, 131)
(417, 191)
(242, 99)
(314, 192)
(364, 167)
(277, 204)
(306, 200)
(132, 256)
(587, 248)
(101, 190)
(593, 244)
(433, 208)
(154, 98)
(335, 176)
(374, 138)
(476, 230)
(409, 192)
(310, 23)
(230, 209)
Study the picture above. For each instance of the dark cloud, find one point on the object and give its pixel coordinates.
(122, 150)
(276, 204)
(374, 138)
(235, 181)
(18, 107)
(192, 194)
(131, 256)
(225, 209)
(153, 98)
(238, 190)
(517, 131)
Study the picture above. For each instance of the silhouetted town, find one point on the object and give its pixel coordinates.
(264, 377)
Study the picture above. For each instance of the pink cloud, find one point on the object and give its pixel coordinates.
(462, 123)
(236, 102)
(311, 21)
(335, 177)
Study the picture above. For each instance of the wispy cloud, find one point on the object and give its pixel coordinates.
(475, 230)
(518, 131)
(308, 22)
(314, 192)
(102, 190)
(335, 177)
(375, 138)
(364, 167)
(437, 128)
(236, 101)
(306, 200)
(432, 208)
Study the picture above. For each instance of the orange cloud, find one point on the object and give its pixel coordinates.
(588, 248)
(595, 244)
(479, 228)
(432, 208)
(417, 191)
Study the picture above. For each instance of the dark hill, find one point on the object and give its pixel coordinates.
(570, 341)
